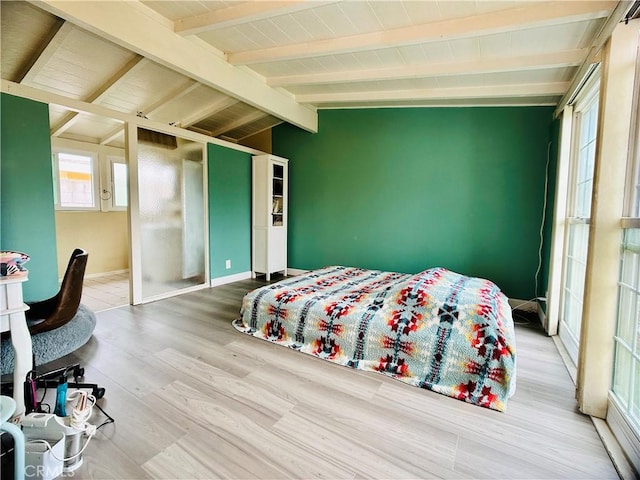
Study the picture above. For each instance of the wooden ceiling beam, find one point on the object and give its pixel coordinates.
(45, 53)
(98, 95)
(38, 95)
(208, 111)
(133, 25)
(30, 64)
(148, 111)
(112, 135)
(176, 94)
(528, 16)
(244, 120)
(567, 58)
(276, 122)
(484, 91)
(239, 14)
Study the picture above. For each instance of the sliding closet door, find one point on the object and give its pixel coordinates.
(168, 216)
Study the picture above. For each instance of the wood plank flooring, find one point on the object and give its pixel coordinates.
(194, 398)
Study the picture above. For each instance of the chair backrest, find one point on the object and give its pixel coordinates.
(64, 305)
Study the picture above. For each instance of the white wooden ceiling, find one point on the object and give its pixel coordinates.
(231, 69)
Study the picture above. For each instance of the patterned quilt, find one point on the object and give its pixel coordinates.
(437, 329)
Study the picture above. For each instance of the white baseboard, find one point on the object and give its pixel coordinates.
(105, 274)
(296, 271)
(543, 318)
(524, 305)
(215, 282)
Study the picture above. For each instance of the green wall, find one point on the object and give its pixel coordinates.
(229, 210)
(409, 189)
(553, 146)
(27, 221)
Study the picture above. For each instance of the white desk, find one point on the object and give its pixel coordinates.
(12, 318)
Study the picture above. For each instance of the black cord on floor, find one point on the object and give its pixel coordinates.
(520, 319)
(109, 420)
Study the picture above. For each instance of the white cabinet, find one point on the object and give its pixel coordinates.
(269, 215)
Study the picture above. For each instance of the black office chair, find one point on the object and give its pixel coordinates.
(58, 325)
(52, 313)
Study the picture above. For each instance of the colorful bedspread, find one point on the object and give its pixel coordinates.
(437, 329)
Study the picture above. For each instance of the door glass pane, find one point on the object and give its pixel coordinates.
(170, 173)
(277, 202)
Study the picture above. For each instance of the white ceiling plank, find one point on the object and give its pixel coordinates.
(207, 111)
(126, 24)
(47, 52)
(172, 96)
(541, 61)
(67, 121)
(260, 131)
(98, 95)
(529, 16)
(103, 91)
(37, 54)
(245, 12)
(493, 91)
(72, 104)
(251, 117)
(112, 135)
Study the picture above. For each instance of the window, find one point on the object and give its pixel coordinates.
(76, 181)
(118, 177)
(607, 382)
(625, 385)
(88, 177)
(626, 373)
(583, 153)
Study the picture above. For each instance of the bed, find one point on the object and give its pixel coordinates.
(437, 329)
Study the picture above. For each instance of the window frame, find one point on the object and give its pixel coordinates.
(583, 103)
(632, 187)
(108, 189)
(625, 427)
(102, 156)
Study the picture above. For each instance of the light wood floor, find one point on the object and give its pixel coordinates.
(193, 398)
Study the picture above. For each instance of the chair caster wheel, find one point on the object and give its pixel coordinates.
(78, 372)
(98, 393)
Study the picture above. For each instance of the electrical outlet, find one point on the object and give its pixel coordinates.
(227, 264)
